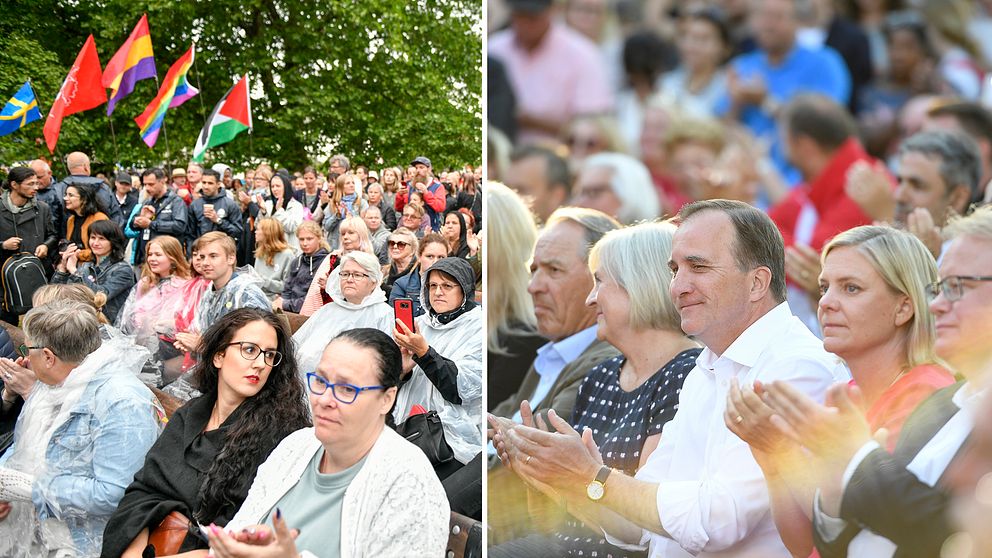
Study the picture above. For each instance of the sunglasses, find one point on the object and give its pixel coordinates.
(398, 244)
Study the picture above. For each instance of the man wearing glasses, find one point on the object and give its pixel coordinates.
(25, 224)
(902, 496)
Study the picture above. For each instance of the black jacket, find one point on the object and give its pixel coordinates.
(227, 209)
(294, 289)
(171, 218)
(885, 497)
(34, 226)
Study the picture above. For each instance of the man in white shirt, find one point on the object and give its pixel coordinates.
(701, 492)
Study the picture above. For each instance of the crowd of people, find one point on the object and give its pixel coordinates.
(739, 278)
(251, 364)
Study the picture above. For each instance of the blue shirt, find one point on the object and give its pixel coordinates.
(803, 70)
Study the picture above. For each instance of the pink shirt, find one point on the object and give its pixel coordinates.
(562, 78)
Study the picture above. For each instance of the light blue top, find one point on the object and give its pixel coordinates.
(314, 506)
(92, 457)
(803, 70)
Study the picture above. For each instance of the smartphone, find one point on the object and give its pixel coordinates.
(403, 310)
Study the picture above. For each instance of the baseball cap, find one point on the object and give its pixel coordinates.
(122, 177)
(421, 160)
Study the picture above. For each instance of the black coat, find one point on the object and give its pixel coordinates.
(171, 218)
(884, 496)
(297, 283)
(34, 225)
(171, 476)
(227, 209)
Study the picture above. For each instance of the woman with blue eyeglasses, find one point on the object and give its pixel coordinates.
(357, 301)
(200, 468)
(350, 486)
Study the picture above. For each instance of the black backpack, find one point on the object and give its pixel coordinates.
(22, 275)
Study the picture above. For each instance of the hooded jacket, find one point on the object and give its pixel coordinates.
(297, 283)
(448, 378)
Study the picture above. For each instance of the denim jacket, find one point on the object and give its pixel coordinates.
(112, 278)
(92, 455)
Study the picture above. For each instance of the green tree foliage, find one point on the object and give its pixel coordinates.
(377, 80)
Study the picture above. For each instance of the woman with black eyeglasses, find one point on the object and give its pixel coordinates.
(200, 468)
(356, 301)
(350, 485)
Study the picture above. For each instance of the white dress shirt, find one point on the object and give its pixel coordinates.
(712, 497)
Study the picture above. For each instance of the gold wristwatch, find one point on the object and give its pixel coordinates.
(597, 488)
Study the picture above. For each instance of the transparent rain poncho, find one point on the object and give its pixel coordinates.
(461, 342)
(337, 316)
(76, 448)
(149, 316)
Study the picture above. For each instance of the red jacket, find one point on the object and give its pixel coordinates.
(832, 211)
(435, 201)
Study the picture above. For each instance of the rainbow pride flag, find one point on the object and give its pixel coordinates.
(175, 90)
(133, 62)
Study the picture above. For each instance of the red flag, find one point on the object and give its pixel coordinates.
(81, 90)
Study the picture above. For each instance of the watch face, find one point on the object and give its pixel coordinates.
(595, 490)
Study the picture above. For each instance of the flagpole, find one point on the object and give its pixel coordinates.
(117, 155)
(58, 154)
(203, 109)
(165, 136)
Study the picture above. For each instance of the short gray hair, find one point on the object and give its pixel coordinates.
(595, 224)
(68, 328)
(368, 262)
(341, 160)
(960, 161)
(631, 182)
(637, 259)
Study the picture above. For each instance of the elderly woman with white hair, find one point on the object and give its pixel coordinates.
(619, 186)
(82, 434)
(626, 400)
(356, 301)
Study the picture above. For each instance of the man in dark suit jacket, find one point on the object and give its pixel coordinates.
(902, 497)
(560, 282)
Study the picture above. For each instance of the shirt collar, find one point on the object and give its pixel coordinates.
(747, 348)
(571, 347)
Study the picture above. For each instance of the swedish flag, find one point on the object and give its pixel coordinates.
(21, 109)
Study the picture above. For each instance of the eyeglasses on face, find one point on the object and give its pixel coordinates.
(352, 275)
(953, 286)
(398, 244)
(345, 393)
(250, 351)
(445, 287)
(25, 350)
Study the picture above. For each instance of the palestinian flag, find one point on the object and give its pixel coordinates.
(230, 117)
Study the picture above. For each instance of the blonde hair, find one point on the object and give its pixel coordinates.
(978, 223)
(417, 208)
(273, 239)
(512, 235)
(358, 225)
(907, 267)
(76, 292)
(339, 183)
(174, 251)
(637, 258)
(218, 237)
(313, 228)
(607, 127)
(703, 131)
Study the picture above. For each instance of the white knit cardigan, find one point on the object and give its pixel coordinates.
(395, 506)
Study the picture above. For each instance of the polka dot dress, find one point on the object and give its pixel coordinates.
(621, 421)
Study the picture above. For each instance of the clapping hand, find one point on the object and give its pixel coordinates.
(255, 542)
(802, 265)
(870, 187)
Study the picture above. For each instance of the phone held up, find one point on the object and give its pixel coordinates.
(403, 311)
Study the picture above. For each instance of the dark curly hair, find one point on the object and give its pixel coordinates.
(264, 419)
(88, 202)
(112, 232)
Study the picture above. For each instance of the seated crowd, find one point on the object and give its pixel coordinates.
(156, 403)
(739, 280)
